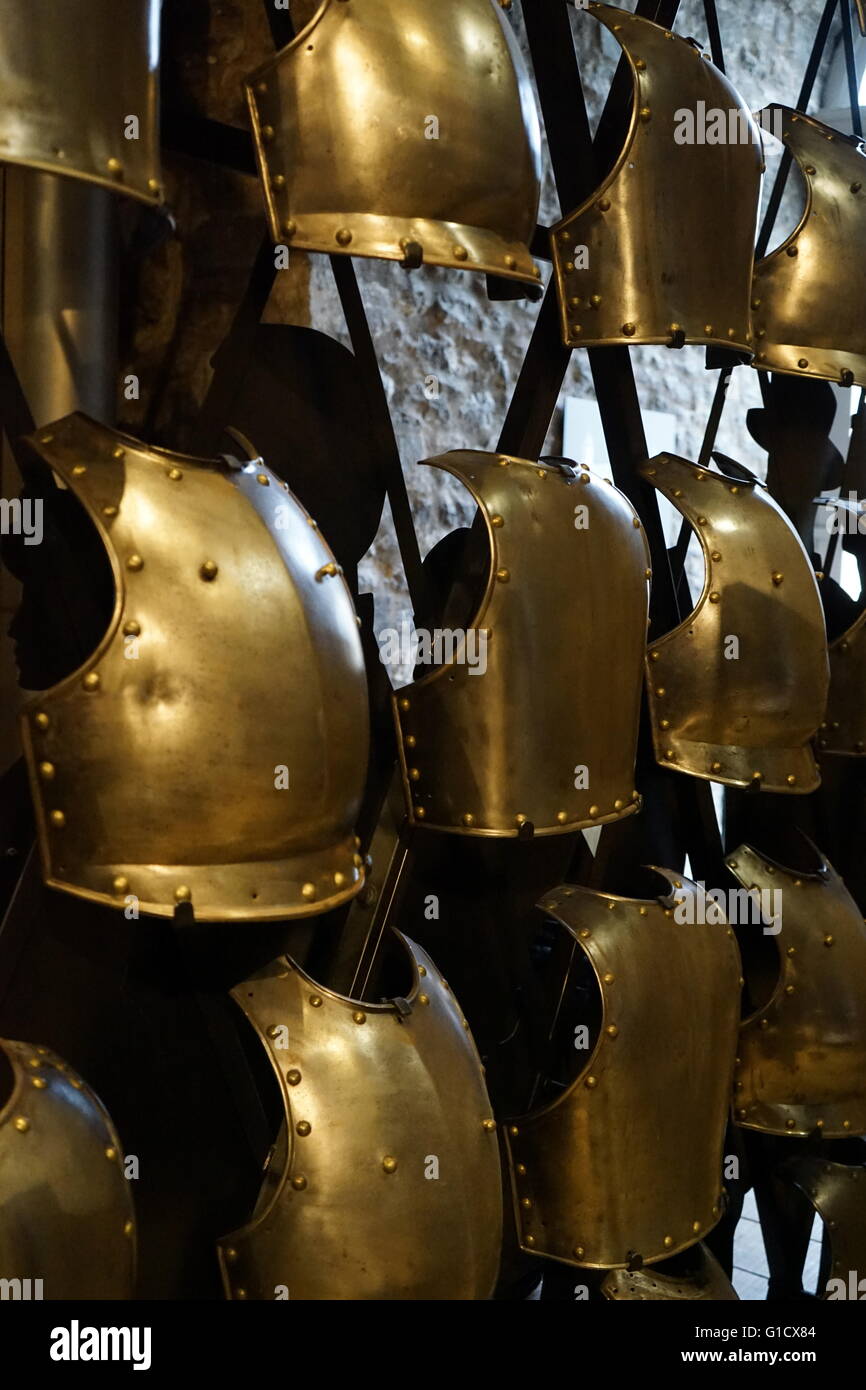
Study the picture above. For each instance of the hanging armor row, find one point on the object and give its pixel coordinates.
(210, 755)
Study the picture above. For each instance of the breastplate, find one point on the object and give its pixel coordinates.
(810, 294)
(71, 76)
(837, 1191)
(844, 727)
(803, 1056)
(213, 748)
(386, 1181)
(706, 1281)
(405, 131)
(67, 1214)
(626, 1162)
(621, 277)
(738, 690)
(546, 736)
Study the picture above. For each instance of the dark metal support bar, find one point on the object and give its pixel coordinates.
(851, 69)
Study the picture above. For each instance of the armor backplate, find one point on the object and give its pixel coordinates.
(79, 91)
(803, 1055)
(739, 688)
(546, 734)
(625, 1165)
(703, 1281)
(386, 1181)
(402, 130)
(66, 1216)
(837, 1191)
(810, 294)
(844, 727)
(213, 748)
(621, 277)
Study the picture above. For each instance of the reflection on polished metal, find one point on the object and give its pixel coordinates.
(79, 91)
(405, 131)
(213, 748)
(67, 1212)
(738, 690)
(544, 739)
(810, 294)
(837, 1191)
(803, 1055)
(663, 251)
(624, 1166)
(844, 728)
(706, 1282)
(385, 1183)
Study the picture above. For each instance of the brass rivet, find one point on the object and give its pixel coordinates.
(115, 168)
(79, 470)
(414, 774)
(134, 562)
(828, 940)
(644, 912)
(529, 1240)
(339, 880)
(777, 578)
(58, 819)
(715, 767)
(608, 977)
(594, 811)
(468, 819)
(791, 780)
(591, 1082)
(120, 885)
(460, 253)
(496, 521)
(793, 251)
(359, 1016)
(715, 597)
(267, 132)
(303, 1127)
(182, 894)
(39, 1082)
(526, 1203)
(618, 805)
(585, 934)
(404, 704)
(46, 771)
(299, 1182)
(488, 1125)
(790, 1124)
(344, 236)
(716, 555)
(308, 891)
(293, 1076)
(603, 205)
(668, 1242)
(21, 1124)
(315, 1001)
(645, 114)
(503, 576)
(629, 329)
(579, 1252)
(789, 989)
(118, 453)
(131, 628)
(174, 474)
(91, 681)
(423, 999)
(513, 1131)
(696, 1226)
(612, 1030)
(111, 1153)
(389, 1164)
(109, 511)
(562, 817)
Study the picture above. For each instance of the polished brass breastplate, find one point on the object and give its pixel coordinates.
(843, 730)
(803, 1056)
(837, 1191)
(213, 748)
(386, 1181)
(66, 1214)
(739, 689)
(402, 130)
(625, 1166)
(622, 275)
(810, 294)
(71, 76)
(546, 736)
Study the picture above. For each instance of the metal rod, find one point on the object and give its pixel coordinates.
(851, 69)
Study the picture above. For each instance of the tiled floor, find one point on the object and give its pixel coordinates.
(750, 1261)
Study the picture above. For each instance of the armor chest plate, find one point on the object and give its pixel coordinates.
(67, 1215)
(71, 77)
(386, 1184)
(214, 746)
(803, 1056)
(739, 689)
(547, 733)
(810, 294)
(844, 728)
(837, 1191)
(402, 130)
(627, 1161)
(621, 277)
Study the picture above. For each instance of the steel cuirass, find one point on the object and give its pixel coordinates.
(626, 1162)
(803, 1055)
(705, 1282)
(739, 689)
(79, 91)
(844, 728)
(405, 131)
(621, 275)
(213, 748)
(66, 1213)
(546, 734)
(810, 294)
(386, 1181)
(837, 1191)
